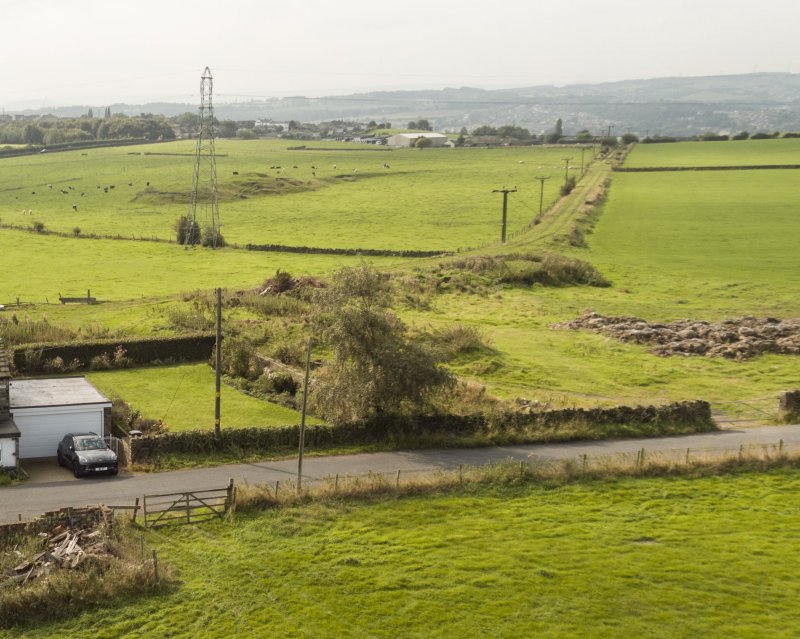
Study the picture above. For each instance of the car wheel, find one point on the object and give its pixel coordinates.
(76, 470)
(115, 472)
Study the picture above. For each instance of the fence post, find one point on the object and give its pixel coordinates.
(397, 481)
(188, 511)
(780, 447)
(336, 484)
(155, 565)
(135, 509)
(229, 499)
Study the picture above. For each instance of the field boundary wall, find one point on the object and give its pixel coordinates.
(694, 416)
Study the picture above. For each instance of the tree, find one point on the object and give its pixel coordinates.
(557, 133)
(375, 367)
(423, 143)
(32, 134)
(629, 138)
(420, 125)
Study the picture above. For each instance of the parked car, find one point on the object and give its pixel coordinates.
(86, 454)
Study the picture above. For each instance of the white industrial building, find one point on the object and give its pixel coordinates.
(410, 139)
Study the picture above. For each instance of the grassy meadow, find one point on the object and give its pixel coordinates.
(701, 245)
(436, 199)
(730, 153)
(663, 558)
(183, 397)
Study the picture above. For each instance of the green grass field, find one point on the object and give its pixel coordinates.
(125, 269)
(661, 558)
(435, 199)
(183, 397)
(731, 153)
(705, 245)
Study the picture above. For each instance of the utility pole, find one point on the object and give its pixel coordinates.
(583, 150)
(505, 193)
(302, 446)
(609, 130)
(218, 363)
(566, 170)
(541, 179)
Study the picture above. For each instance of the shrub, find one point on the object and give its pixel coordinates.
(187, 231)
(211, 237)
(38, 227)
(76, 231)
(568, 186)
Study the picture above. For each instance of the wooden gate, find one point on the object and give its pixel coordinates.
(187, 508)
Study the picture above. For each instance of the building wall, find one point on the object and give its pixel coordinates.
(8, 452)
(42, 428)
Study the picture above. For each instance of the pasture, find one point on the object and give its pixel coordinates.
(436, 199)
(730, 153)
(701, 245)
(664, 558)
(183, 398)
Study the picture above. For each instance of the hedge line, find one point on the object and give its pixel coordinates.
(30, 358)
(694, 416)
(342, 251)
(659, 169)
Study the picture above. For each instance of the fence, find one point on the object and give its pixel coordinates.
(168, 509)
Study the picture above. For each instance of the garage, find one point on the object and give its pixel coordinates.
(44, 410)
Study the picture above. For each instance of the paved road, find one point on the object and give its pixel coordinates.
(32, 498)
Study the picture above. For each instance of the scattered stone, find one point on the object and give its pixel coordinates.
(737, 339)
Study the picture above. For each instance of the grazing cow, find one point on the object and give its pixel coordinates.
(105, 189)
(83, 194)
(50, 186)
(148, 184)
(71, 188)
(236, 172)
(74, 207)
(33, 192)
(64, 191)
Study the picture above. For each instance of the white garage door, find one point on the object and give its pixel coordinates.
(41, 432)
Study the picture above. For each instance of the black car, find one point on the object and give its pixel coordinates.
(86, 454)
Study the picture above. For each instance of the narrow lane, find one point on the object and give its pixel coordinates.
(31, 499)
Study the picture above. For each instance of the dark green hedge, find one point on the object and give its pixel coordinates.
(280, 248)
(694, 416)
(185, 348)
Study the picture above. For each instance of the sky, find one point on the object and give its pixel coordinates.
(100, 52)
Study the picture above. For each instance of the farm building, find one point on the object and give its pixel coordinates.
(35, 414)
(410, 139)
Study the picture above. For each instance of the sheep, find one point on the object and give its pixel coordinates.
(386, 166)
(236, 172)
(111, 186)
(64, 191)
(355, 170)
(334, 167)
(71, 188)
(30, 212)
(50, 186)
(294, 166)
(74, 207)
(130, 183)
(33, 192)
(105, 189)
(83, 194)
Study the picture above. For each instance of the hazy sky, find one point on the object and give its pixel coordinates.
(96, 52)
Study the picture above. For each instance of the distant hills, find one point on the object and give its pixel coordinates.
(667, 106)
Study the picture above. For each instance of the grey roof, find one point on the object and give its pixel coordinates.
(7, 427)
(54, 391)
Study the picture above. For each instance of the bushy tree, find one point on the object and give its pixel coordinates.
(375, 367)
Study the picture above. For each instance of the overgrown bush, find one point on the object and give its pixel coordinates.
(187, 231)
(125, 418)
(457, 340)
(568, 186)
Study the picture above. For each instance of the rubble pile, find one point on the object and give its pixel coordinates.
(737, 339)
(64, 548)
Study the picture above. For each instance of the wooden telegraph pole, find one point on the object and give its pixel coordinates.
(301, 448)
(218, 364)
(505, 193)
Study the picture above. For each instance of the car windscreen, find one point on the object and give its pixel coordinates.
(90, 443)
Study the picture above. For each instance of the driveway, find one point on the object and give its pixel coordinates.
(57, 489)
